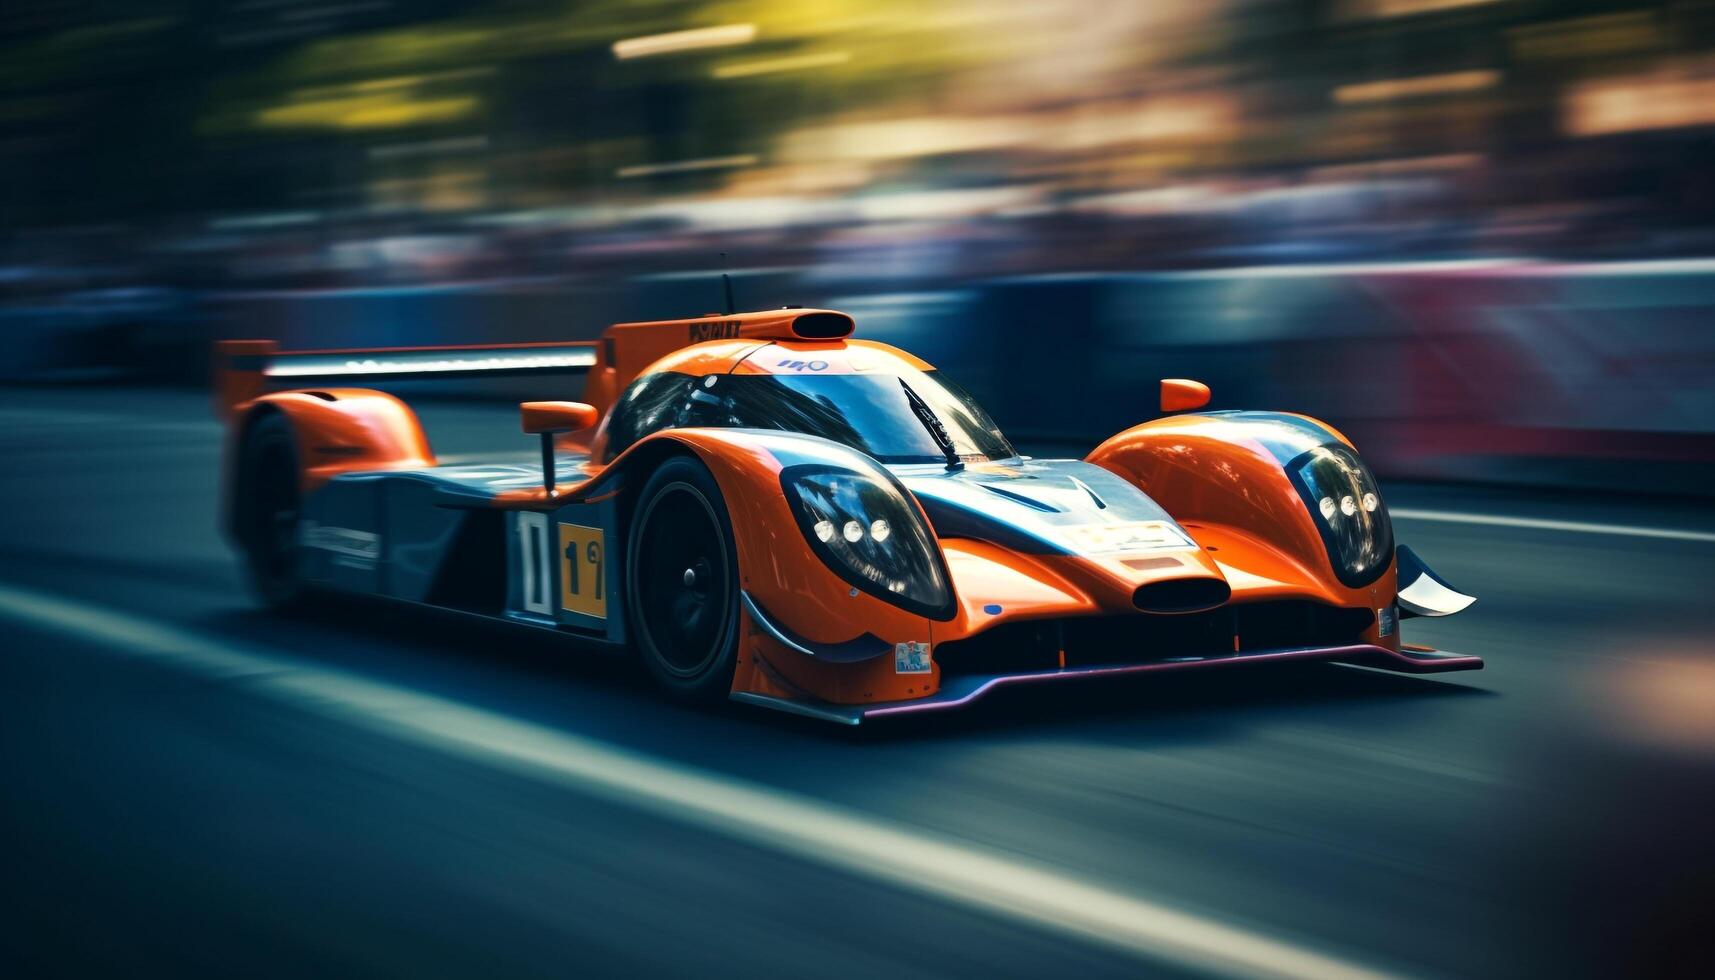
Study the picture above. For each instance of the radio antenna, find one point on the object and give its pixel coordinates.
(726, 286)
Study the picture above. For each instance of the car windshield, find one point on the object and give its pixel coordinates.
(868, 412)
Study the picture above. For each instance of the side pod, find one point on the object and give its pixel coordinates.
(1422, 592)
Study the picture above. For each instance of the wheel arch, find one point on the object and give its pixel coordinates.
(343, 429)
(334, 430)
(663, 635)
(626, 476)
(742, 469)
(1228, 469)
(779, 572)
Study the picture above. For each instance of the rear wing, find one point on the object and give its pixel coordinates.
(245, 369)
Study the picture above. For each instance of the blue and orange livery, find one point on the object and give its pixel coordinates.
(761, 506)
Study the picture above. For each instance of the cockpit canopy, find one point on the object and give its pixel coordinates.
(856, 393)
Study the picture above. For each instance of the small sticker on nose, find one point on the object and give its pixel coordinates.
(911, 658)
(1387, 620)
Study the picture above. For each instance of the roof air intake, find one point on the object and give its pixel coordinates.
(822, 326)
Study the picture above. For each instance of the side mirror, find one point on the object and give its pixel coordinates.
(1183, 394)
(545, 418)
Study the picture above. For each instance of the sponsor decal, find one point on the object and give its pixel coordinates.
(714, 330)
(1387, 620)
(350, 547)
(1101, 539)
(911, 658)
(535, 564)
(1149, 564)
(797, 365)
(583, 570)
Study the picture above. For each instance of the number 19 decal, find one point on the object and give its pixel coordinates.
(583, 578)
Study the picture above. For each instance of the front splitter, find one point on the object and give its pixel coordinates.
(957, 692)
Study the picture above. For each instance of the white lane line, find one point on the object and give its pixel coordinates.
(1497, 520)
(803, 827)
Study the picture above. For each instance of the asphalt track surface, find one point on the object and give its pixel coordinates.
(193, 786)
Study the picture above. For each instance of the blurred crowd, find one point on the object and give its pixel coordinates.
(307, 144)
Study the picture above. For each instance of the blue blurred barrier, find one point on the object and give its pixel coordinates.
(1593, 376)
(1577, 376)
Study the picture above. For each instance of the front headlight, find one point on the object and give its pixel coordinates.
(1347, 509)
(865, 529)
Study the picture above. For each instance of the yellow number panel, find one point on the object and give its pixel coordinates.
(583, 570)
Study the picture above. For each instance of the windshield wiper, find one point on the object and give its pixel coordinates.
(932, 423)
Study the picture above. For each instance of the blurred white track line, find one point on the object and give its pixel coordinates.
(774, 819)
(54, 416)
(1626, 530)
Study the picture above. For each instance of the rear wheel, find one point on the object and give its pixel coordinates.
(267, 511)
(682, 575)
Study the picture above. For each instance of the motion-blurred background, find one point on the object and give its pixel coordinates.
(1478, 236)
(1470, 232)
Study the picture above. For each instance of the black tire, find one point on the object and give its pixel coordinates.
(682, 582)
(267, 512)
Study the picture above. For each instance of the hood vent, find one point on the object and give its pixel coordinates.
(1019, 498)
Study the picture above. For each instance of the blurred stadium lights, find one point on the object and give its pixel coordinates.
(378, 111)
(687, 166)
(1669, 97)
(688, 40)
(1406, 88)
(1372, 169)
(769, 66)
(888, 139)
(1406, 8)
(947, 204)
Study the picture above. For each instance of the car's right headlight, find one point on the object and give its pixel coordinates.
(864, 528)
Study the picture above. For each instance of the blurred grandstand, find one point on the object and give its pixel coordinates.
(1471, 232)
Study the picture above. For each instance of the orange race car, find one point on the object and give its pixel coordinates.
(763, 508)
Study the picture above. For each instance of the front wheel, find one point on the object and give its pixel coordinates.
(682, 578)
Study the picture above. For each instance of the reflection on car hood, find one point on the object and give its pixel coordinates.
(1061, 506)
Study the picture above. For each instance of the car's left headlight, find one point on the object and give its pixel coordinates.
(864, 528)
(1347, 508)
